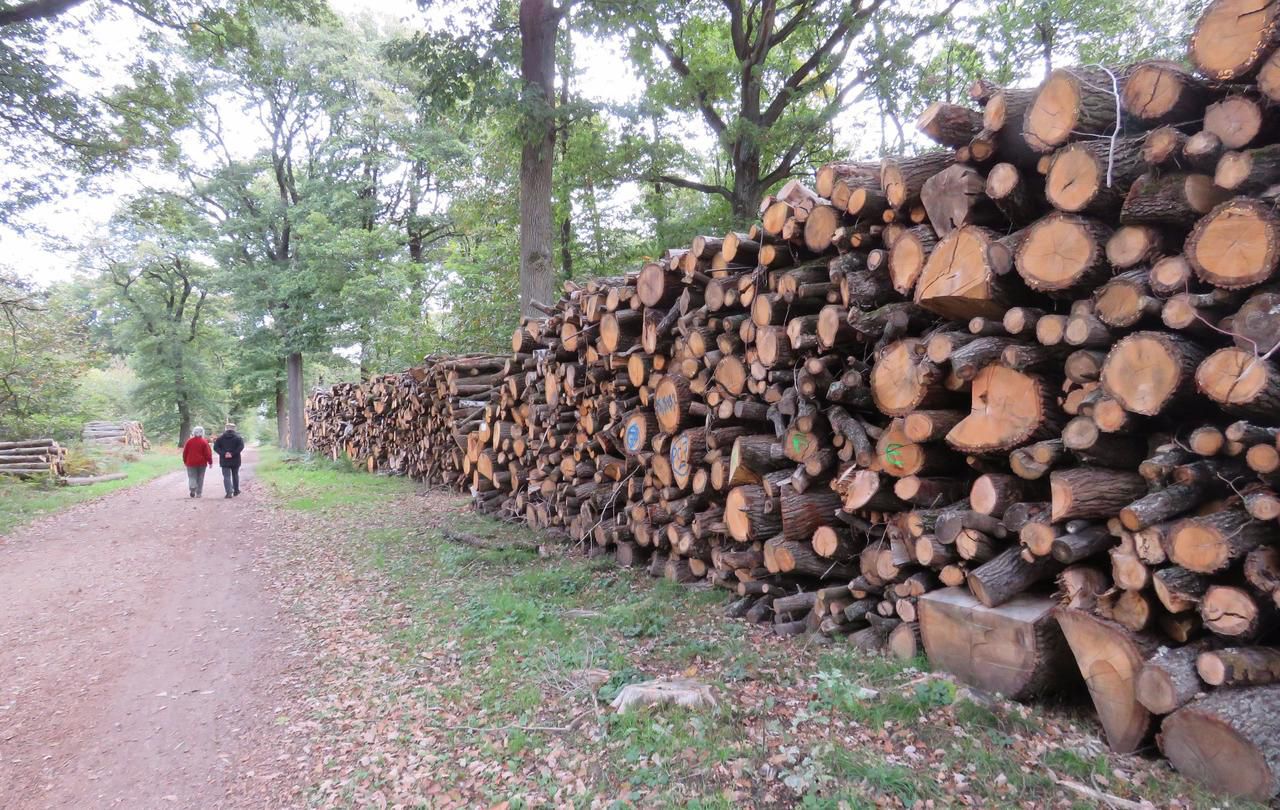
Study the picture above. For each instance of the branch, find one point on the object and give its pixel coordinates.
(678, 64)
(36, 10)
(735, 26)
(789, 88)
(195, 316)
(705, 188)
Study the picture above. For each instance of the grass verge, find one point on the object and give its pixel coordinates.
(482, 678)
(24, 501)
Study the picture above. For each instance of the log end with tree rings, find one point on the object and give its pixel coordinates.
(732, 373)
(1233, 37)
(1002, 180)
(1053, 116)
(569, 336)
(899, 456)
(1239, 380)
(1145, 370)
(772, 346)
(820, 227)
(832, 321)
(1153, 90)
(653, 285)
(907, 258)
(1009, 409)
(1124, 300)
(775, 216)
(1236, 120)
(958, 281)
(1231, 613)
(1075, 178)
(1062, 251)
(1163, 145)
(1201, 193)
(994, 112)
(1236, 245)
(893, 183)
(1233, 170)
(1110, 659)
(901, 381)
(671, 403)
(638, 367)
(1170, 275)
(1229, 741)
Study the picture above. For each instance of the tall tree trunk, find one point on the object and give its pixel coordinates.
(297, 425)
(180, 388)
(657, 205)
(746, 188)
(282, 417)
(184, 420)
(539, 21)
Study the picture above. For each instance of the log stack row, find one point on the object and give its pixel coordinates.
(411, 423)
(127, 433)
(31, 458)
(924, 394)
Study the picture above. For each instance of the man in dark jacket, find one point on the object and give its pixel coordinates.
(228, 448)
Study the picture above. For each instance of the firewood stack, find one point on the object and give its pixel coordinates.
(921, 396)
(127, 433)
(411, 423)
(31, 458)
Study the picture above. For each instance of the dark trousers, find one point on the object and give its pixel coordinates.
(231, 480)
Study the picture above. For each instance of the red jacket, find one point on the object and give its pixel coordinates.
(197, 453)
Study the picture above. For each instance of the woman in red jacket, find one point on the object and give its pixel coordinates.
(198, 456)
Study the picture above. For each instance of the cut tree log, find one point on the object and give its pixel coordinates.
(1110, 658)
(1233, 37)
(1169, 679)
(1015, 649)
(1235, 245)
(1228, 740)
(1070, 103)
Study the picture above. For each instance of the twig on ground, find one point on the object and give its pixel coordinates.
(487, 543)
(1098, 796)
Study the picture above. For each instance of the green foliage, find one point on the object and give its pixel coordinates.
(156, 291)
(44, 350)
(1030, 37)
(56, 128)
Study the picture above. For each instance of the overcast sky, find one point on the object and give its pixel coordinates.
(47, 252)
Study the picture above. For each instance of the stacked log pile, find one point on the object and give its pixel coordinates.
(921, 396)
(411, 423)
(127, 433)
(31, 458)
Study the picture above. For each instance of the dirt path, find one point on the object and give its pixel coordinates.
(139, 650)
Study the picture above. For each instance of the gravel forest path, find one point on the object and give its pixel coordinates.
(139, 650)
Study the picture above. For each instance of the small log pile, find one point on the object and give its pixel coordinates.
(127, 433)
(1010, 403)
(31, 458)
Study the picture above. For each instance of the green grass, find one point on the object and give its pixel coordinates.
(318, 484)
(794, 728)
(23, 501)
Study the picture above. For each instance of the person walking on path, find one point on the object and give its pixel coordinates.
(198, 457)
(229, 446)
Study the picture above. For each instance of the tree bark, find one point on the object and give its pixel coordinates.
(297, 424)
(539, 22)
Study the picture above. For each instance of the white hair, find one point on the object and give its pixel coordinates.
(197, 431)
